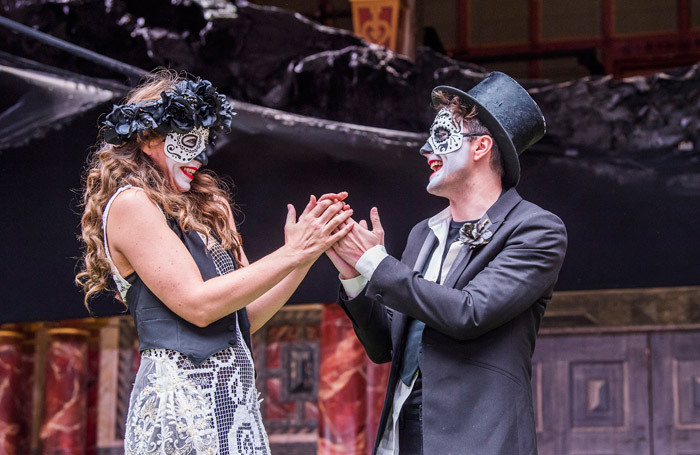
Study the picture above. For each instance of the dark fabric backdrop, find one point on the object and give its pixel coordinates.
(626, 229)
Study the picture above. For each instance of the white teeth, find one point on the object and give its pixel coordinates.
(435, 165)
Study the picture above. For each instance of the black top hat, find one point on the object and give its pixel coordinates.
(510, 114)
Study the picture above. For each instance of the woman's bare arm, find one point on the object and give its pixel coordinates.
(142, 241)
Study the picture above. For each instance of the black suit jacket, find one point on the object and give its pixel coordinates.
(480, 329)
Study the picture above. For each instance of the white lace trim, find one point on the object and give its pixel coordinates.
(181, 408)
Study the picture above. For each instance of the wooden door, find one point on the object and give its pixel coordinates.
(591, 395)
(675, 389)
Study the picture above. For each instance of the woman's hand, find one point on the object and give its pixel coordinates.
(336, 197)
(313, 233)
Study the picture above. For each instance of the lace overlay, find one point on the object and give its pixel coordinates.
(179, 408)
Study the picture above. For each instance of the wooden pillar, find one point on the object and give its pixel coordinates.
(342, 404)
(684, 17)
(463, 28)
(377, 378)
(10, 388)
(63, 429)
(535, 26)
(407, 29)
(608, 25)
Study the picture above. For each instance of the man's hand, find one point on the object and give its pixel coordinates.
(351, 247)
(345, 270)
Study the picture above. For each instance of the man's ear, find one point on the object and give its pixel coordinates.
(481, 146)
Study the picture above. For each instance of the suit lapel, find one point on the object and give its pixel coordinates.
(496, 214)
(460, 263)
(399, 321)
(424, 253)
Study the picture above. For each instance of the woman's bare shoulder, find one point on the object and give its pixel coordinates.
(134, 204)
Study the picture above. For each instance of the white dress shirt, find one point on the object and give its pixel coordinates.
(366, 265)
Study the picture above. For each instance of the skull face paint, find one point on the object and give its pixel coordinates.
(181, 174)
(183, 148)
(445, 133)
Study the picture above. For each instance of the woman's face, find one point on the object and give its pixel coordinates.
(178, 174)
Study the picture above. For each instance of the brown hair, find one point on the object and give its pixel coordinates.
(111, 167)
(472, 124)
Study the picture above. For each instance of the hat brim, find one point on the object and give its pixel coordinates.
(509, 154)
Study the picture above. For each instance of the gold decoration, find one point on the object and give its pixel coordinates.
(377, 21)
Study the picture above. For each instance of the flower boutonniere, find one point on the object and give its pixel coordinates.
(476, 234)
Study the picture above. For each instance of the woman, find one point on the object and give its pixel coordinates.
(163, 230)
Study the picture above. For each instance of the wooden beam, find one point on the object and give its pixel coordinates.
(607, 22)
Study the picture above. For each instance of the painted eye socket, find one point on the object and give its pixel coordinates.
(441, 134)
(189, 140)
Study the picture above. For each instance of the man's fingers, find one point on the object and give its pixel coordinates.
(376, 222)
(363, 223)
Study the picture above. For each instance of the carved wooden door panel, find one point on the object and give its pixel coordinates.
(591, 395)
(676, 392)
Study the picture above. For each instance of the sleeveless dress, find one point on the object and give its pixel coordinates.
(179, 408)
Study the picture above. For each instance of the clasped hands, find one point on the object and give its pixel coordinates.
(345, 253)
(326, 225)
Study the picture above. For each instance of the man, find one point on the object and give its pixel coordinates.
(457, 316)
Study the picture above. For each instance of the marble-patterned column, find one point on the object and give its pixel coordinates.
(10, 386)
(377, 377)
(342, 387)
(63, 429)
(26, 394)
(93, 374)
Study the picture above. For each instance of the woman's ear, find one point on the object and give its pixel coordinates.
(482, 146)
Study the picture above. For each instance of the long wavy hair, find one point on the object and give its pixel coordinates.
(111, 167)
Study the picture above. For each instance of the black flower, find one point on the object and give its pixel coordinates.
(179, 115)
(224, 115)
(191, 104)
(118, 124)
(475, 234)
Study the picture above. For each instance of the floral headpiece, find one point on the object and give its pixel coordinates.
(192, 104)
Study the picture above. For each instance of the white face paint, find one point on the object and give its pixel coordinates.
(449, 158)
(445, 133)
(451, 171)
(181, 174)
(184, 147)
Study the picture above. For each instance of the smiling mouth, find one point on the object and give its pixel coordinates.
(189, 171)
(435, 165)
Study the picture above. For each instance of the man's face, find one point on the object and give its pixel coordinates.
(447, 155)
(445, 133)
